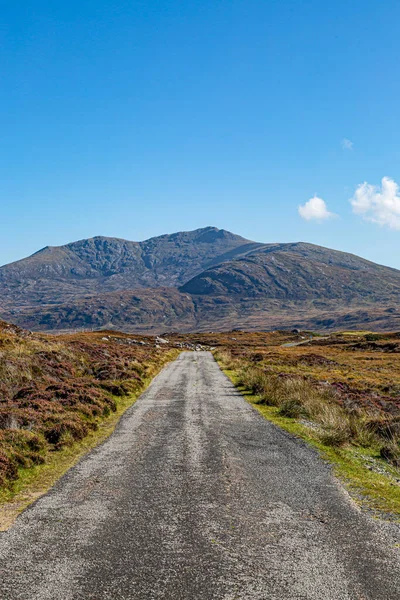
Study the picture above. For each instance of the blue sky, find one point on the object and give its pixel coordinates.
(133, 119)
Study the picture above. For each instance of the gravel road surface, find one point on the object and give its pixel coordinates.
(195, 496)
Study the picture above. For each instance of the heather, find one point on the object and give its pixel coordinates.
(54, 391)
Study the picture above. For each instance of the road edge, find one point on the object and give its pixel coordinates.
(362, 484)
(43, 477)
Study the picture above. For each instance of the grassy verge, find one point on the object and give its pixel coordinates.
(36, 480)
(371, 481)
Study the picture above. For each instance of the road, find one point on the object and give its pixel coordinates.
(195, 497)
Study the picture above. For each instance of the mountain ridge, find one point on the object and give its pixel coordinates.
(308, 262)
(206, 278)
(102, 263)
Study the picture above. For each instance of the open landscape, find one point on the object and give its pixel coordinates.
(191, 458)
(199, 300)
(159, 400)
(342, 391)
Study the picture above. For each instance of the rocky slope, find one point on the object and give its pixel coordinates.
(101, 264)
(298, 272)
(208, 279)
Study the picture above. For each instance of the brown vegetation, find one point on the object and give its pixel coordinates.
(55, 390)
(346, 386)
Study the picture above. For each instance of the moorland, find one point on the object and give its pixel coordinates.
(60, 395)
(57, 393)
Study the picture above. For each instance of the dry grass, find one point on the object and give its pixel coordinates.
(55, 391)
(295, 397)
(347, 386)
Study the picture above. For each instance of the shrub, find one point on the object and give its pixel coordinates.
(8, 469)
(334, 437)
(360, 431)
(391, 453)
(291, 408)
(372, 337)
(254, 380)
(225, 358)
(387, 428)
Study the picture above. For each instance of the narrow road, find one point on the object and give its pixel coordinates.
(197, 497)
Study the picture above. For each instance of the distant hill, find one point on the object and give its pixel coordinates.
(102, 264)
(200, 280)
(298, 272)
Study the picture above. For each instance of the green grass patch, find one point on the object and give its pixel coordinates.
(371, 490)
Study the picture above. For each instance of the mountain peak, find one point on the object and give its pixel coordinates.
(207, 277)
(110, 264)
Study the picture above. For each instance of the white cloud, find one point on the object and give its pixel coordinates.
(347, 144)
(378, 204)
(315, 210)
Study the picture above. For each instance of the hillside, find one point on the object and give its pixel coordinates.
(101, 264)
(298, 272)
(208, 279)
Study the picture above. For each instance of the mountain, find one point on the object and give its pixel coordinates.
(208, 279)
(298, 272)
(101, 264)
